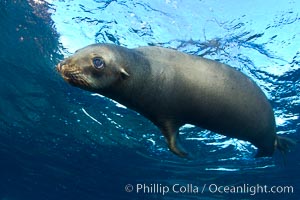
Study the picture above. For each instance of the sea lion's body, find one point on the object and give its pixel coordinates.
(171, 89)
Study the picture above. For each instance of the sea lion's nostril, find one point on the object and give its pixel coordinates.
(58, 67)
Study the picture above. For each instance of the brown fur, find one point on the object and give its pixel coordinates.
(171, 89)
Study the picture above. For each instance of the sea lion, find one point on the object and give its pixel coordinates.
(171, 89)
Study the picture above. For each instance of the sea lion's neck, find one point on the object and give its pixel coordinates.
(146, 80)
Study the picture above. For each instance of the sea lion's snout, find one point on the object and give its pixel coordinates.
(65, 71)
(58, 67)
(72, 74)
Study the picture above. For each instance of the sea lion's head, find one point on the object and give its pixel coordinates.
(94, 68)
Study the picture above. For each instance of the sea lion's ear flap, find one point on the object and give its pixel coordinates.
(124, 74)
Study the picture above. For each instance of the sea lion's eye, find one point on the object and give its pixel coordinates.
(98, 63)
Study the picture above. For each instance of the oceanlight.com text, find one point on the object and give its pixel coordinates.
(156, 188)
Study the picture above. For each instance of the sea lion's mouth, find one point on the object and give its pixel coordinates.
(71, 75)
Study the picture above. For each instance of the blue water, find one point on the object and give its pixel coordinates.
(60, 142)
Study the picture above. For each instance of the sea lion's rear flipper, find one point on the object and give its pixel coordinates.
(284, 144)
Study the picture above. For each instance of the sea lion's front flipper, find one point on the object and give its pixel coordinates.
(175, 145)
(171, 133)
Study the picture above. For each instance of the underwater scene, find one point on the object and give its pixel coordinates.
(61, 142)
